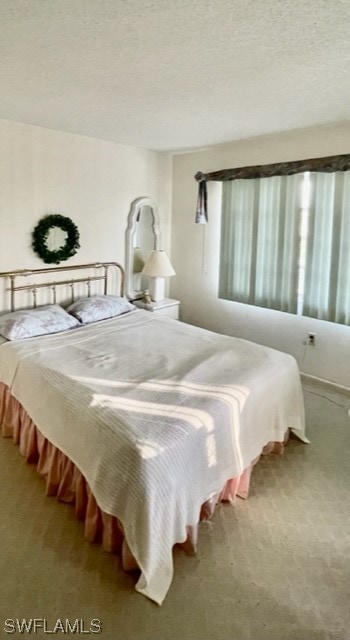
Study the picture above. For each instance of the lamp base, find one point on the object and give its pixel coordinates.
(157, 288)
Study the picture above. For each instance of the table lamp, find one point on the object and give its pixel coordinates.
(157, 268)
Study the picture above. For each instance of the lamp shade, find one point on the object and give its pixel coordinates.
(158, 265)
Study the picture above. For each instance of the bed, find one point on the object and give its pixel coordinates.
(146, 423)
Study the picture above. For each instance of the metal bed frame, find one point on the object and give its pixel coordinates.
(33, 287)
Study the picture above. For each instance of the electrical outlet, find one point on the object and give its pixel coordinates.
(311, 338)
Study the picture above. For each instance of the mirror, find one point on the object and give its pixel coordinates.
(142, 236)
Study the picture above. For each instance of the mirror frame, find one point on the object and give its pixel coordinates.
(135, 211)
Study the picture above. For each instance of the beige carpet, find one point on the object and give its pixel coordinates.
(273, 568)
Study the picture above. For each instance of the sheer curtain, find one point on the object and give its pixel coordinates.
(260, 241)
(327, 272)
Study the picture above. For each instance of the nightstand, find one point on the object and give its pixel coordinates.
(167, 307)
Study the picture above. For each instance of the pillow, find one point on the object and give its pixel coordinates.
(99, 308)
(28, 323)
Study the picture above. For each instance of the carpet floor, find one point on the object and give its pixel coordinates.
(274, 567)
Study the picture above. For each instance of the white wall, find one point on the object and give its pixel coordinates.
(91, 181)
(195, 253)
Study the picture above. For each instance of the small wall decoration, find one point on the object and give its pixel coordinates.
(41, 233)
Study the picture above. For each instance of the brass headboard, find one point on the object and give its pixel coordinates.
(33, 287)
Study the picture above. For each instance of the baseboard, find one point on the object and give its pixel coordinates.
(331, 386)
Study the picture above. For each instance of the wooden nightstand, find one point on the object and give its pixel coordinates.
(167, 307)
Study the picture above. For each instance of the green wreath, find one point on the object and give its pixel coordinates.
(40, 235)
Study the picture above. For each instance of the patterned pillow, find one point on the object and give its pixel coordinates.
(28, 323)
(99, 308)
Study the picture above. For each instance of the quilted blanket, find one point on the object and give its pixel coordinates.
(157, 415)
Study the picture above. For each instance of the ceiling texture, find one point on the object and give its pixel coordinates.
(175, 74)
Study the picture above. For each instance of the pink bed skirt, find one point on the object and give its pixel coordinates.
(65, 481)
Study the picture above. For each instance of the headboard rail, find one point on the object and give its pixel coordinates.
(72, 282)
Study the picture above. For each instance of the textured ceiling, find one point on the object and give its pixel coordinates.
(177, 74)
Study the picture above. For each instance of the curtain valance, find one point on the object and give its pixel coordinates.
(328, 164)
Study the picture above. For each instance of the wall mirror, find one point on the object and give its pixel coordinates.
(142, 236)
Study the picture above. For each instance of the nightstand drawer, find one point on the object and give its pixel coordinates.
(169, 312)
(167, 307)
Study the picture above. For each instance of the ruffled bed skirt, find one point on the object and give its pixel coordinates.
(65, 481)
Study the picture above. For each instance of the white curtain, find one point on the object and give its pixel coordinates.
(260, 241)
(327, 273)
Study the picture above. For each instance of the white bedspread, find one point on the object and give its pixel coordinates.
(157, 415)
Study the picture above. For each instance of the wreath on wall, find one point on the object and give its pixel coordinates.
(41, 233)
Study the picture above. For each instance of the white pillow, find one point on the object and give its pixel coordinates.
(28, 323)
(97, 308)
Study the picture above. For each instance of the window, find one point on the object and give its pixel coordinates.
(285, 242)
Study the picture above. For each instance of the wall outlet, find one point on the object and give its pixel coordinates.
(311, 338)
